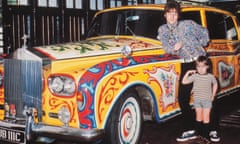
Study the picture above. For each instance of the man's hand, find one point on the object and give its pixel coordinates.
(177, 46)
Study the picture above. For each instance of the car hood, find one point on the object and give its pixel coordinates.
(97, 46)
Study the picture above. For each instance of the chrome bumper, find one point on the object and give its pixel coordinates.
(33, 130)
(61, 133)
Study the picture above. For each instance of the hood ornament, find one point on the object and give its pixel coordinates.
(126, 50)
(24, 38)
(23, 53)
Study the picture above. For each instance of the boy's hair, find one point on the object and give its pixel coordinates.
(206, 61)
(172, 4)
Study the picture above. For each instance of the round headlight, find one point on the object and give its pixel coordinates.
(64, 115)
(62, 85)
(69, 86)
(56, 84)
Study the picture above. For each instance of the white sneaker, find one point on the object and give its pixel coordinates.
(214, 136)
(187, 135)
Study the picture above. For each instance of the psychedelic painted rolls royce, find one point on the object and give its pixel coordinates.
(103, 88)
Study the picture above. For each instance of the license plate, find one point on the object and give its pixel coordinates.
(13, 136)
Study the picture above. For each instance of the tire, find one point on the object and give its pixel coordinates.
(125, 122)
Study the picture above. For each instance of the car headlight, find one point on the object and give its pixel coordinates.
(61, 85)
(64, 115)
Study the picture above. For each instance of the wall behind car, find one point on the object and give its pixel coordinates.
(51, 21)
(47, 22)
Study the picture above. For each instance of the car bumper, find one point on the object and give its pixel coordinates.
(64, 132)
(33, 130)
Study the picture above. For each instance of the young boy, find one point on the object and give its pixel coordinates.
(204, 90)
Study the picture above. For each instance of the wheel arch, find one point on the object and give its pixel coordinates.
(147, 101)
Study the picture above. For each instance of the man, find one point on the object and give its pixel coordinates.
(186, 39)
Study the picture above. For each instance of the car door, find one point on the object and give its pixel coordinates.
(223, 48)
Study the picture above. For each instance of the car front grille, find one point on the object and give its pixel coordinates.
(23, 85)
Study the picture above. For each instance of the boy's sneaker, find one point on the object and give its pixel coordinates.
(214, 136)
(187, 135)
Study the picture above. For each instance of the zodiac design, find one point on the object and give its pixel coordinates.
(167, 80)
(226, 73)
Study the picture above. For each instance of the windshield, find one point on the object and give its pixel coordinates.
(135, 22)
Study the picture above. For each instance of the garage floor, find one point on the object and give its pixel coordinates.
(229, 126)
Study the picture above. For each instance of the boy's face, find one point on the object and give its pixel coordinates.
(202, 67)
(171, 16)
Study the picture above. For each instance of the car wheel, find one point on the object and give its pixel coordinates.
(125, 122)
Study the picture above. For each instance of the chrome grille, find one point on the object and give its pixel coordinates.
(23, 84)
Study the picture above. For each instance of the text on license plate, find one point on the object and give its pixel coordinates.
(10, 135)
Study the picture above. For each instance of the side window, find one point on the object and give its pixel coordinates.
(220, 26)
(193, 15)
(231, 30)
(216, 25)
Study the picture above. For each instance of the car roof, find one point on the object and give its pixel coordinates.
(185, 6)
